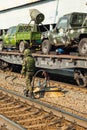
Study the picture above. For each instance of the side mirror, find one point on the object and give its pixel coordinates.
(61, 30)
(56, 30)
(0, 33)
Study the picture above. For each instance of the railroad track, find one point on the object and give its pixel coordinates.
(11, 82)
(32, 114)
(11, 78)
(59, 88)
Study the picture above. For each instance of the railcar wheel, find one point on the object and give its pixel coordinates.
(80, 79)
(46, 46)
(83, 47)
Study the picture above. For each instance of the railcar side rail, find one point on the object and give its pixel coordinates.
(47, 61)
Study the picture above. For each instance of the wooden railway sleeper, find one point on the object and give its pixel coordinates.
(28, 109)
(38, 120)
(32, 121)
(58, 121)
(49, 115)
(37, 112)
(2, 98)
(3, 127)
(16, 116)
(7, 100)
(72, 126)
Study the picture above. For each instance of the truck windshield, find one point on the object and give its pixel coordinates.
(77, 20)
(85, 22)
(62, 23)
(25, 28)
(12, 30)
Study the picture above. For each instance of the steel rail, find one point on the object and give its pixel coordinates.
(49, 108)
(10, 124)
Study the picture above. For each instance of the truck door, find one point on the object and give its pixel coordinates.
(12, 37)
(61, 29)
(9, 38)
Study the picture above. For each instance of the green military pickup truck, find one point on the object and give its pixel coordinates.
(70, 31)
(20, 37)
(23, 35)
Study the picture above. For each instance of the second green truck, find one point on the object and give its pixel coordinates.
(23, 35)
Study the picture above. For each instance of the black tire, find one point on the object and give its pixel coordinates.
(1, 45)
(22, 46)
(83, 47)
(46, 46)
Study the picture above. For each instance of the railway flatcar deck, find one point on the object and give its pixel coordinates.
(50, 61)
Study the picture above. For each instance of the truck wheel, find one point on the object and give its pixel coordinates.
(46, 46)
(22, 46)
(83, 47)
(1, 45)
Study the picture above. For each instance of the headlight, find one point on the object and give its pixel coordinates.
(48, 33)
(82, 30)
(44, 35)
(55, 41)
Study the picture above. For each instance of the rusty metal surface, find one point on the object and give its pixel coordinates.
(60, 56)
(49, 55)
(51, 62)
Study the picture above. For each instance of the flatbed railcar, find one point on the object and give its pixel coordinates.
(52, 62)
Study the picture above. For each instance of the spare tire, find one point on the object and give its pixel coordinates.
(46, 46)
(83, 47)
